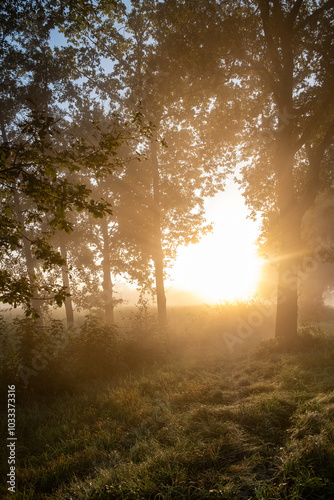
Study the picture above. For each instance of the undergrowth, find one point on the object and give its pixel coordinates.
(205, 426)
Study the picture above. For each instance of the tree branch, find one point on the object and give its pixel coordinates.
(265, 16)
(294, 12)
(315, 156)
(315, 15)
(313, 123)
(326, 142)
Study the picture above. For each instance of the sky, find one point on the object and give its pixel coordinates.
(223, 265)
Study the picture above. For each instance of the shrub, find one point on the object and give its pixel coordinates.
(144, 341)
(31, 355)
(94, 350)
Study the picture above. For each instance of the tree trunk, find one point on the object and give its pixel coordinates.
(35, 301)
(66, 283)
(108, 288)
(287, 295)
(158, 255)
(160, 290)
(290, 226)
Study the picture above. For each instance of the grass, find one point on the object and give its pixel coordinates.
(256, 426)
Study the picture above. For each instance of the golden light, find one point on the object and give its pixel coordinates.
(224, 265)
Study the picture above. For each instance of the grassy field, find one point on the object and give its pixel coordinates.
(196, 424)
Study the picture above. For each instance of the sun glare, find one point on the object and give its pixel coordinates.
(224, 265)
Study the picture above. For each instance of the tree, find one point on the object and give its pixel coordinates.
(44, 160)
(29, 70)
(163, 204)
(36, 173)
(269, 65)
(301, 83)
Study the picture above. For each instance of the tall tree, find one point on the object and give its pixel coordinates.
(117, 255)
(41, 155)
(164, 204)
(267, 64)
(299, 77)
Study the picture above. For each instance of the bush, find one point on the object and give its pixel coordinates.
(31, 355)
(94, 350)
(144, 342)
(46, 358)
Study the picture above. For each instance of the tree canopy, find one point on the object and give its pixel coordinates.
(272, 73)
(196, 90)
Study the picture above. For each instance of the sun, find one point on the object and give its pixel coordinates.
(224, 266)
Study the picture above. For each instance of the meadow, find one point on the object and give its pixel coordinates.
(137, 413)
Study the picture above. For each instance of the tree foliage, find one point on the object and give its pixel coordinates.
(272, 73)
(195, 90)
(42, 153)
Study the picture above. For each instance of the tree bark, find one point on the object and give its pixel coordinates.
(35, 301)
(108, 287)
(158, 255)
(290, 227)
(66, 283)
(290, 213)
(287, 295)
